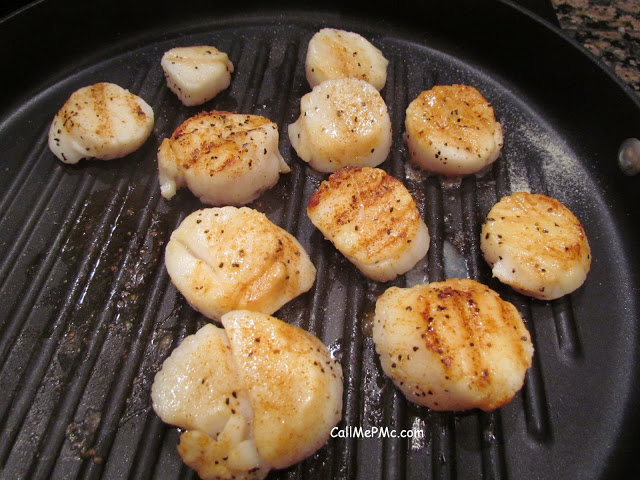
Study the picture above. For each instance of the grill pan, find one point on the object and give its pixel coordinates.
(88, 314)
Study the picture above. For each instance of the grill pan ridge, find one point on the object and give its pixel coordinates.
(88, 314)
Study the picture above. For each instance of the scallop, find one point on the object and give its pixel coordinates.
(294, 385)
(343, 122)
(223, 158)
(197, 73)
(334, 53)
(453, 345)
(452, 130)
(372, 219)
(228, 258)
(536, 245)
(102, 121)
(199, 390)
(206, 400)
(259, 394)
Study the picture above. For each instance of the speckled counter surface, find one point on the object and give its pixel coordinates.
(609, 29)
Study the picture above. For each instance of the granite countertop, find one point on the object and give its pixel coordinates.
(609, 29)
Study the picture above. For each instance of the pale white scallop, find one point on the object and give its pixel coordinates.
(198, 385)
(257, 395)
(371, 218)
(536, 245)
(334, 53)
(452, 345)
(223, 158)
(197, 73)
(229, 258)
(343, 122)
(102, 121)
(452, 130)
(230, 456)
(199, 389)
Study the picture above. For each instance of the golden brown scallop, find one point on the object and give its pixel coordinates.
(229, 258)
(223, 158)
(102, 121)
(536, 245)
(372, 220)
(452, 345)
(452, 130)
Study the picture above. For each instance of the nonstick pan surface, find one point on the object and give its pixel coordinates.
(88, 314)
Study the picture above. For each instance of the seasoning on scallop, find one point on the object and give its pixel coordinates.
(452, 130)
(223, 158)
(343, 122)
(102, 121)
(334, 53)
(536, 245)
(229, 258)
(452, 345)
(294, 385)
(196, 74)
(199, 390)
(372, 219)
(259, 394)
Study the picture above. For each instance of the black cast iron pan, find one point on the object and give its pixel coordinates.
(87, 313)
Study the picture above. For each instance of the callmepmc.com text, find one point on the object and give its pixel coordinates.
(375, 432)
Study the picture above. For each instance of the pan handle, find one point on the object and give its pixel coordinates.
(629, 156)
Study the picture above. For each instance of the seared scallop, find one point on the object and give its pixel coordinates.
(294, 385)
(199, 389)
(343, 122)
(452, 130)
(232, 455)
(102, 121)
(223, 158)
(256, 395)
(196, 74)
(536, 245)
(372, 219)
(452, 345)
(198, 386)
(229, 258)
(334, 53)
